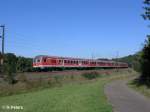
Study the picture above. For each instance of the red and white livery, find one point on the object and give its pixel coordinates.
(55, 61)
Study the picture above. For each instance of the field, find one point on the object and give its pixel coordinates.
(86, 96)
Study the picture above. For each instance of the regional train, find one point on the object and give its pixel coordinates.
(43, 61)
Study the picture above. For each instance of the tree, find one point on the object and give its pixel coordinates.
(10, 67)
(132, 60)
(145, 58)
(145, 63)
(24, 64)
(146, 14)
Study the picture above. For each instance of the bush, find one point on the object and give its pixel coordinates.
(22, 78)
(58, 79)
(9, 67)
(90, 75)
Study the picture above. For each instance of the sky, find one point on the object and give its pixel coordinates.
(73, 28)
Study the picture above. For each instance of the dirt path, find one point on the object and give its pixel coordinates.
(124, 99)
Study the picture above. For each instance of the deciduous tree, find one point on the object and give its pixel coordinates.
(145, 58)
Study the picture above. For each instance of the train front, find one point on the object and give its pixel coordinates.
(37, 62)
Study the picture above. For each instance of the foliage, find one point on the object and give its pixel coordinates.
(24, 84)
(58, 79)
(132, 60)
(90, 75)
(146, 14)
(143, 89)
(24, 64)
(145, 58)
(22, 78)
(9, 67)
(145, 63)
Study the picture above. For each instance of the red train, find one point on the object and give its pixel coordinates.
(55, 61)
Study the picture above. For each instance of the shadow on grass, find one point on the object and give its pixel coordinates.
(140, 82)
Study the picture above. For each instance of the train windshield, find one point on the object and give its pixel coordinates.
(35, 60)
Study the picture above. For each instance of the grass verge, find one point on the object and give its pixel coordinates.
(86, 96)
(143, 89)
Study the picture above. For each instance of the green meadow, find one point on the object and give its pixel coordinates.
(86, 96)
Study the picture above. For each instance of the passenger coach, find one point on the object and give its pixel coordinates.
(55, 61)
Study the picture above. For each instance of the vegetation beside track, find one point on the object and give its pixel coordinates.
(77, 96)
(143, 89)
(33, 82)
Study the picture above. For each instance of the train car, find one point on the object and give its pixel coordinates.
(42, 61)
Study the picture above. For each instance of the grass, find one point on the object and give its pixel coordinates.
(143, 89)
(86, 96)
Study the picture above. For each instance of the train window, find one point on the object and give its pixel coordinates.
(38, 60)
(65, 61)
(93, 62)
(68, 61)
(44, 60)
(60, 61)
(76, 62)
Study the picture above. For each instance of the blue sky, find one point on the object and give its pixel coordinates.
(76, 28)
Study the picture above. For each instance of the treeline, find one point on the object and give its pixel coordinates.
(19, 63)
(145, 58)
(11, 65)
(141, 60)
(24, 64)
(134, 61)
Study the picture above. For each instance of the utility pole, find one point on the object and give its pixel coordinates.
(2, 37)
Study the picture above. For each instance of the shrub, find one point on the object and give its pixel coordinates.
(90, 75)
(9, 67)
(72, 77)
(58, 79)
(22, 78)
(145, 63)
